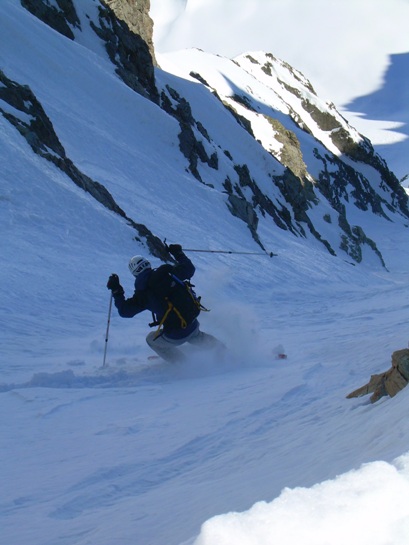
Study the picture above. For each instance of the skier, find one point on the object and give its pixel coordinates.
(176, 329)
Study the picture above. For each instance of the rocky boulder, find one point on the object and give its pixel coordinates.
(388, 383)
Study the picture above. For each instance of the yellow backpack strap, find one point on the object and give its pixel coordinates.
(194, 298)
(158, 331)
(183, 323)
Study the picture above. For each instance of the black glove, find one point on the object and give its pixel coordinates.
(175, 249)
(113, 284)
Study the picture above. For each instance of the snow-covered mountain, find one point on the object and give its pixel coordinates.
(355, 53)
(252, 129)
(104, 155)
(337, 46)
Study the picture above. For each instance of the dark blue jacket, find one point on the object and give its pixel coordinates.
(145, 299)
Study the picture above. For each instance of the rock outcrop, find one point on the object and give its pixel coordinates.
(135, 13)
(388, 383)
(62, 19)
(124, 26)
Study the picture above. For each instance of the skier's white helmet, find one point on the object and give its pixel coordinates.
(138, 264)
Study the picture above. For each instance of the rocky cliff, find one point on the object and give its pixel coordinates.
(124, 26)
(135, 13)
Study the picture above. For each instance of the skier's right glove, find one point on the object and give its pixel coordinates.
(114, 285)
(175, 250)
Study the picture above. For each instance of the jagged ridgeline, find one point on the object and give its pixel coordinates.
(300, 167)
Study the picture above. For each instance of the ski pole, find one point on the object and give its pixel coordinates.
(107, 331)
(270, 254)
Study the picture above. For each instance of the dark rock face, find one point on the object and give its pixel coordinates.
(62, 20)
(129, 52)
(135, 13)
(191, 131)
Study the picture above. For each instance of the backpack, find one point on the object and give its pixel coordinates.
(181, 305)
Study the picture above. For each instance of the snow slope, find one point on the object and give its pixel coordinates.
(141, 452)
